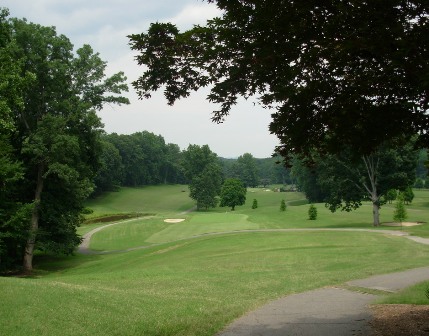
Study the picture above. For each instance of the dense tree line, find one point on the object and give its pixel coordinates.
(257, 172)
(138, 159)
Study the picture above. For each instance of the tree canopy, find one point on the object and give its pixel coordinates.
(48, 102)
(336, 73)
(343, 182)
(203, 170)
(233, 193)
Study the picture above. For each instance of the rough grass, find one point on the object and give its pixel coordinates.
(417, 294)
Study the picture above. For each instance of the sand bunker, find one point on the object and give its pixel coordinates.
(174, 220)
(403, 224)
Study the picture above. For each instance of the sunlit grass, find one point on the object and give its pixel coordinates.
(197, 286)
(149, 199)
(192, 287)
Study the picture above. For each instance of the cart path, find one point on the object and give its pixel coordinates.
(323, 312)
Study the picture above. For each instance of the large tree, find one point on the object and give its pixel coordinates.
(344, 181)
(338, 74)
(55, 133)
(247, 170)
(204, 173)
(233, 193)
(205, 187)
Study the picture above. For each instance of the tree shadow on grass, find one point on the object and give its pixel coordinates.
(49, 263)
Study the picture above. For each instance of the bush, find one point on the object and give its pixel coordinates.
(255, 204)
(283, 205)
(312, 212)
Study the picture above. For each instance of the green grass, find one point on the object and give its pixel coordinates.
(150, 199)
(192, 287)
(411, 295)
(266, 216)
(196, 286)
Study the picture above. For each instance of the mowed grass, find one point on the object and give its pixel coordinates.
(149, 199)
(191, 287)
(181, 284)
(267, 216)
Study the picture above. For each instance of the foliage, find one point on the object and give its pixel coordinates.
(346, 181)
(400, 213)
(307, 180)
(205, 187)
(391, 195)
(110, 174)
(312, 212)
(419, 184)
(233, 193)
(283, 205)
(53, 137)
(255, 204)
(202, 168)
(267, 170)
(422, 164)
(146, 159)
(246, 170)
(338, 74)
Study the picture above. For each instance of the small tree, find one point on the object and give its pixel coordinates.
(254, 204)
(312, 212)
(400, 213)
(408, 195)
(283, 205)
(233, 193)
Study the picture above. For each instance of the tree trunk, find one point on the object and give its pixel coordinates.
(371, 167)
(376, 213)
(34, 225)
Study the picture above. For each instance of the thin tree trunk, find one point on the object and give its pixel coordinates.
(376, 213)
(371, 168)
(34, 225)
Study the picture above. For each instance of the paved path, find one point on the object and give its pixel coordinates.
(326, 311)
(323, 312)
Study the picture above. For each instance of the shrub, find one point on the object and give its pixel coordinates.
(254, 204)
(283, 205)
(312, 212)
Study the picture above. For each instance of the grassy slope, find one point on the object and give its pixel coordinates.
(267, 216)
(192, 287)
(196, 286)
(152, 199)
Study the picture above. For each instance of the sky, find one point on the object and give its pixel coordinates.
(104, 25)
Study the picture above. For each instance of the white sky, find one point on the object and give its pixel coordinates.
(105, 24)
